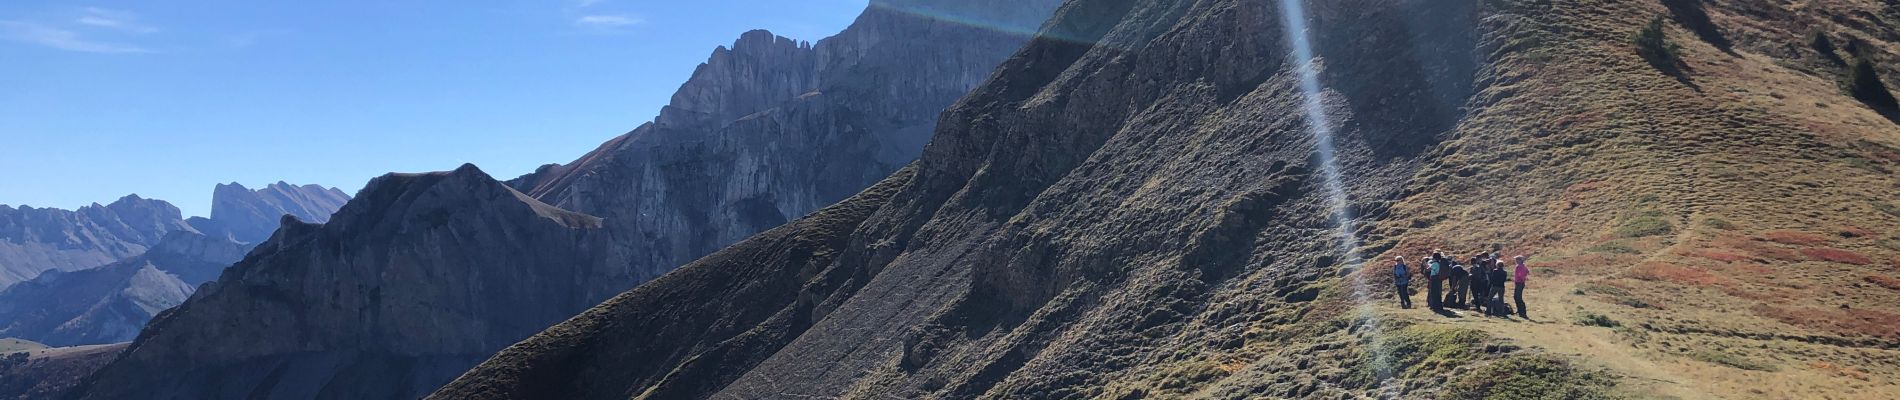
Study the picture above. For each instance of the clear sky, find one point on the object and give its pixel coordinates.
(167, 98)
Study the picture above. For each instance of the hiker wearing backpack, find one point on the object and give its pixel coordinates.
(1498, 278)
(1523, 273)
(1459, 280)
(1435, 274)
(1402, 281)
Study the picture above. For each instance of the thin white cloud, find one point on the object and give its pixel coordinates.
(113, 19)
(49, 36)
(587, 3)
(607, 23)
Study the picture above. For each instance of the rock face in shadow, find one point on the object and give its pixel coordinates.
(33, 240)
(109, 304)
(410, 283)
(770, 129)
(249, 216)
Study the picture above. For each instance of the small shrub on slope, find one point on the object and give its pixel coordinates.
(1864, 83)
(1652, 43)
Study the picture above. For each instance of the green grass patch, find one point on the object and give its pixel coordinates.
(1719, 223)
(8, 345)
(1531, 377)
(1648, 223)
(1892, 243)
(1888, 208)
(1731, 361)
(1594, 319)
(1866, 164)
(1423, 350)
(1613, 247)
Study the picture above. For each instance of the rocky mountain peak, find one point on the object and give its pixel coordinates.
(759, 70)
(249, 216)
(42, 239)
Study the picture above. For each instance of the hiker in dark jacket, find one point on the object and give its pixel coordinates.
(1498, 278)
(1480, 284)
(1455, 298)
(1402, 282)
(1435, 275)
(1521, 274)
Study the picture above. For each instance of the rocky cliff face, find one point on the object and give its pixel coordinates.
(1138, 205)
(249, 216)
(33, 240)
(109, 304)
(770, 129)
(408, 285)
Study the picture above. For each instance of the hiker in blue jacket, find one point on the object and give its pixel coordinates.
(1435, 274)
(1402, 281)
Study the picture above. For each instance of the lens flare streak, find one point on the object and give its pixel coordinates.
(1293, 15)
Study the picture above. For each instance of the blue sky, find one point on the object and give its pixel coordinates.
(166, 99)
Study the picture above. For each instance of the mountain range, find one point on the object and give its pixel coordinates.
(109, 303)
(421, 276)
(1160, 199)
(1147, 199)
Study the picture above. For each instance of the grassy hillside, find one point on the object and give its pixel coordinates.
(1730, 217)
(9, 345)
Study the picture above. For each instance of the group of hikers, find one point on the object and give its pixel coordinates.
(1477, 285)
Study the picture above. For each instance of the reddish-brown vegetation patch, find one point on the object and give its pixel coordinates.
(1847, 322)
(1848, 372)
(1715, 254)
(1837, 255)
(1884, 281)
(1666, 272)
(1760, 249)
(1797, 238)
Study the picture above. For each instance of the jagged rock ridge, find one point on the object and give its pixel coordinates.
(33, 240)
(770, 129)
(249, 216)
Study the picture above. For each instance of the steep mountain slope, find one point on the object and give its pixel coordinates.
(109, 304)
(249, 216)
(771, 129)
(419, 277)
(33, 240)
(1137, 205)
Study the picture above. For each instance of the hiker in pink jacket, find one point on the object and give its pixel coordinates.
(1519, 276)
